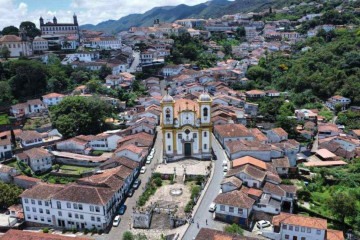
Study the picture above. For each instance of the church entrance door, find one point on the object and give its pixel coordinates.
(187, 147)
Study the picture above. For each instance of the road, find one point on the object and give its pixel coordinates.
(135, 63)
(117, 232)
(202, 214)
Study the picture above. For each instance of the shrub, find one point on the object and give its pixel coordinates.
(195, 190)
(45, 230)
(128, 236)
(74, 230)
(63, 231)
(234, 228)
(304, 194)
(97, 153)
(86, 231)
(156, 175)
(189, 206)
(158, 181)
(100, 231)
(286, 182)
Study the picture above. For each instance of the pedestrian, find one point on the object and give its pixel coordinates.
(198, 224)
(206, 221)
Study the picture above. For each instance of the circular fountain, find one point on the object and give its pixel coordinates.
(176, 191)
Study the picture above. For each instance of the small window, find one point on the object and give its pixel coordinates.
(80, 207)
(27, 208)
(303, 238)
(40, 210)
(205, 146)
(32, 201)
(222, 207)
(206, 112)
(92, 218)
(68, 205)
(318, 232)
(47, 211)
(308, 230)
(34, 209)
(69, 215)
(98, 219)
(287, 236)
(296, 228)
(240, 211)
(29, 216)
(39, 203)
(284, 226)
(91, 208)
(26, 200)
(205, 134)
(291, 227)
(75, 206)
(46, 203)
(302, 229)
(169, 148)
(231, 209)
(168, 135)
(76, 215)
(60, 213)
(81, 216)
(97, 209)
(194, 135)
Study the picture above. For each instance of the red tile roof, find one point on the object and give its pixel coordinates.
(236, 199)
(13, 234)
(299, 220)
(232, 130)
(248, 160)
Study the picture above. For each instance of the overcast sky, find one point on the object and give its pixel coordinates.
(13, 12)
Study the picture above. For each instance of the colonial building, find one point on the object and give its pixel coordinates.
(55, 28)
(18, 46)
(186, 127)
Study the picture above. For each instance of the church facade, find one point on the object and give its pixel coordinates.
(186, 128)
(55, 28)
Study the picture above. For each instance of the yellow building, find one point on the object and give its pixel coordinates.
(186, 127)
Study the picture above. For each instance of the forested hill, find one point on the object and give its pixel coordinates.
(330, 66)
(210, 9)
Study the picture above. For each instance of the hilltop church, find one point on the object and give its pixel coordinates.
(186, 127)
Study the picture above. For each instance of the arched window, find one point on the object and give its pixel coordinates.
(168, 135)
(205, 112)
(167, 113)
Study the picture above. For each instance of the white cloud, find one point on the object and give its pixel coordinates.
(88, 11)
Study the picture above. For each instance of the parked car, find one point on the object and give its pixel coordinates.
(263, 224)
(212, 207)
(122, 209)
(136, 184)
(225, 162)
(116, 221)
(131, 192)
(143, 170)
(225, 168)
(148, 161)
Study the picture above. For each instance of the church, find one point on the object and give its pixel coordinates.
(55, 28)
(186, 127)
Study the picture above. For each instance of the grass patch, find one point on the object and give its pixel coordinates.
(34, 123)
(4, 119)
(70, 169)
(328, 115)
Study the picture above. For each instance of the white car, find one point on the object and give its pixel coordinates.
(149, 157)
(143, 170)
(116, 221)
(148, 161)
(225, 162)
(152, 151)
(225, 168)
(212, 207)
(263, 224)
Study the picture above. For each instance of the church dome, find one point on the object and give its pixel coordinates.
(204, 97)
(167, 98)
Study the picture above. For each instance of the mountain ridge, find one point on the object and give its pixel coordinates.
(209, 9)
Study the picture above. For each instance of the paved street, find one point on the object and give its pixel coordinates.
(212, 191)
(116, 232)
(135, 63)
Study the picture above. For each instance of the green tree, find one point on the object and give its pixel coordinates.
(29, 79)
(5, 52)
(93, 86)
(104, 71)
(342, 205)
(30, 29)
(80, 115)
(9, 195)
(234, 229)
(258, 73)
(10, 30)
(128, 236)
(5, 92)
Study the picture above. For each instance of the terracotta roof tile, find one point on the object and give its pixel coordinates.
(334, 235)
(234, 180)
(42, 191)
(299, 220)
(212, 234)
(232, 130)
(235, 198)
(248, 160)
(13, 234)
